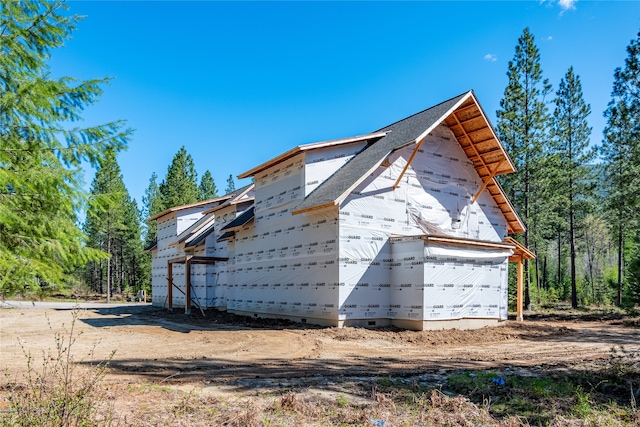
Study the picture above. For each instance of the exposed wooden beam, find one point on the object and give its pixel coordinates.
(486, 153)
(196, 259)
(473, 132)
(520, 279)
(469, 242)
(468, 107)
(462, 122)
(415, 151)
(486, 181)
(484, 141)
(464, 132)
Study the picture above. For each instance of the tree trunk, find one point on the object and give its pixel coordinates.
(545, 282)
(574, 289)
(620, 263)
(122, 265)
(527, 278)
(101, 280)
(109, 261)
(559, 258)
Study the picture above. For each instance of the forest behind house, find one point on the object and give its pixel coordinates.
(577, 193)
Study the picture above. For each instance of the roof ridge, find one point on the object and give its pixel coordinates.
(426, 109)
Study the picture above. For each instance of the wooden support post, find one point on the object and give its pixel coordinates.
(170, 285)
(187, 286)
(415, 151)
(486, 181)
(519, 317)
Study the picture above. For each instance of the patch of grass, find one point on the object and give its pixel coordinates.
(601, 396)
(341, 400)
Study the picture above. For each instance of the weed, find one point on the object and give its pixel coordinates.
(59, 393)
(582, 407)
(341, 400)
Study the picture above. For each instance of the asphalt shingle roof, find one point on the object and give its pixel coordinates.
(240, 220)
(399, 134)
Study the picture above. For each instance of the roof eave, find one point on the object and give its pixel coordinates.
(306, 147)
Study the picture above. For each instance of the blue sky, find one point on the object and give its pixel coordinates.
(238, 83)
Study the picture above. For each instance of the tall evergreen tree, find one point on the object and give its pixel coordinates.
(109, 224)
(621, 154)
(207, 187)
(133, 268)
(40, 154)
(574, 180)
(180, 186)
(523, 120)
(231, 186)
(152, 204)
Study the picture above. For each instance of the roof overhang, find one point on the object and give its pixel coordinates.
(520, 252)
(240, 221)
(306, 147)
(234, 199)
(476, 136)
(183, 207)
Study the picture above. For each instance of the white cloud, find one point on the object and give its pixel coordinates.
(550, 38)
(567, 4)
(491, 57)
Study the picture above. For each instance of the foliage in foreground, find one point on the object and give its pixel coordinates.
(59, 393)
(41, 155)
(605, 396)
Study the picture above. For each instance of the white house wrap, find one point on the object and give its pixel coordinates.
(404, 226)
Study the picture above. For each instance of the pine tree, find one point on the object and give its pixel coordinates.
(152, 205)
(522, 126)
(207, 187)
(231, 186)
(134, 270)
(105, 215)
(180, 185)
(40, 153)
(621, 154)
(573, 181)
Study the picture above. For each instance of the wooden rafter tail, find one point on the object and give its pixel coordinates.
(466, 134)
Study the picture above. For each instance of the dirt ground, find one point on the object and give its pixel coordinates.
(223, 354)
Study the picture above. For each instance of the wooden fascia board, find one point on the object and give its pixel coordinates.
(282, 157)
(486, 119)
(219, 207)
(178, 260)
(511, 209)
(315, 208)
(183, 207)
(194, 231)
(467, 242)
(306, 147)
(424, 134)
(232, 200)
(521, 251)
(237, 197)
(238, 201)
